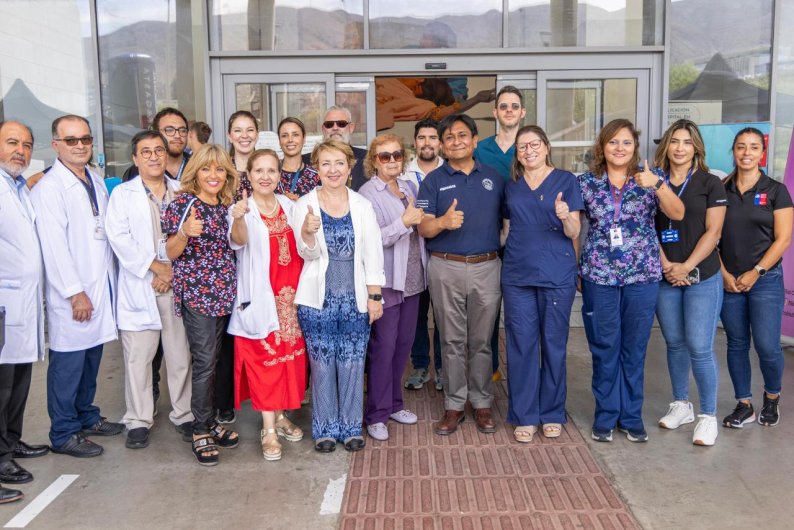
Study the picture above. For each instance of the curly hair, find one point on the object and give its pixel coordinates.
(207, 156)
(598, 165)
(370, 170)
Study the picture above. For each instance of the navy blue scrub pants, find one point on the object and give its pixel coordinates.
(536, 329)
(71, 388)
(617, 322)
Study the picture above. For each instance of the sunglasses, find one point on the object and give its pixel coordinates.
(339, 123)
(505, 106)
(385, 156)
(71, 141)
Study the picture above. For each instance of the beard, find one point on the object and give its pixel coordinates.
(427, 155)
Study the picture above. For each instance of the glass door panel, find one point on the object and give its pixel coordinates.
(357, 94)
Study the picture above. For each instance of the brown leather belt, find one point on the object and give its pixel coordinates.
(479, 258)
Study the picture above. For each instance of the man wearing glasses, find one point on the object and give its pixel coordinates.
(338, 125)
(172, 124)
(70, 204)
(145, 313)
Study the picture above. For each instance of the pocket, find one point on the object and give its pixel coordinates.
(11, 298)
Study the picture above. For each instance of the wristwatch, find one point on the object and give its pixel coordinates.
(760, 270)
(658, 183)
(376, 297)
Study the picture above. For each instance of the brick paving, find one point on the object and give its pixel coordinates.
(473, 481)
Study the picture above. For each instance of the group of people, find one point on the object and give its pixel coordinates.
(250, 274)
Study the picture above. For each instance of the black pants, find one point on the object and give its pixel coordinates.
(204, 336)
(224, 375)
(14, 387)
(157, 363)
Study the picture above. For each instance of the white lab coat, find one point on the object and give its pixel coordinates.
(74, 260)
(129, 228)
(367, 256)
(21, 279)
(254, 313)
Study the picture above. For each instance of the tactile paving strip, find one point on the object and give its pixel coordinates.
(418, 480)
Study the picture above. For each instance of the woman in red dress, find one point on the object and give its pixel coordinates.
(269, 350)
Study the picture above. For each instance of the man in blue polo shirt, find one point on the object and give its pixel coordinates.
(462, 201)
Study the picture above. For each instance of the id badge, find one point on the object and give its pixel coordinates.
(615, 237)
(99, 230)
(162, 255)
(670, 236)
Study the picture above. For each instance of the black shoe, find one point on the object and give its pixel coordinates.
(104, 428)
(743, 413)
(79, 446)
(137, 438)
(13, 473)
(325, 446)
(9, 495)
(354, 444)
(226, 417)
(635, 435)
(23, 450)
(186, 430)
(770, 414)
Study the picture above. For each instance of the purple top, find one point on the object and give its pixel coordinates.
(205, 275)
(637, 259)
(396, 237)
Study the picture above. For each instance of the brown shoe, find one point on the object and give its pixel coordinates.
(484, 421)
(449, 423)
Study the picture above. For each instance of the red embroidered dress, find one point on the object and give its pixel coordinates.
(272, 371)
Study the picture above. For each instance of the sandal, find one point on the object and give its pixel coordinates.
(287, 429)
(223, 437)
(524, 434)
(202, 447)
(271, 449)
(552, 430)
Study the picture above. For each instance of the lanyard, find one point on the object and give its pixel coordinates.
(181, 168)
(680, 192)
(88, 186)
(418, 177)
(293, 182)
(617, 198)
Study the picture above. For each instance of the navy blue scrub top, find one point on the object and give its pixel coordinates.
(479, 196)
(537, 251)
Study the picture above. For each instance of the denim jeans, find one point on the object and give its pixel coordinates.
(688, 318)
(756, 315)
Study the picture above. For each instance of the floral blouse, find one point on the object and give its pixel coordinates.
(307, 180)
(245, 184)
(637, 260)
(205, 275)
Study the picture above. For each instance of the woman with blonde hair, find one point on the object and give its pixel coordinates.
(204, 281)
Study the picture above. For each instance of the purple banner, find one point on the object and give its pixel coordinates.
(788, 260)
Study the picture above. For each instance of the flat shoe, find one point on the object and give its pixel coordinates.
(9, 495)
(354, 444)
(24, 450)
(325, 446)
(79, 446)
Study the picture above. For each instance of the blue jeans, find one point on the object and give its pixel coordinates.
(71, 388)
(617, 322)
(688, 318)
(755, 315)
(420, 351)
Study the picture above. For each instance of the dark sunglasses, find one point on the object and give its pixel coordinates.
(71, 141)
(339, 123)
(385, 156)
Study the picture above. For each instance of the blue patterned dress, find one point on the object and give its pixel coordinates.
(336, 339)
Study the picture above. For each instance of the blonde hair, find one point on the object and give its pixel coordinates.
(206, 156)
(333, 145)
(369, 162)
(660, 159)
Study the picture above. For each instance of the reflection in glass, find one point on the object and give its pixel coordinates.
(784, 107)
(574, 159)
(577, 109)
(287, 25)
(559, 23)
(439, 24)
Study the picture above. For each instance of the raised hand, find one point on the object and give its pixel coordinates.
(241, 208)
(412, 215)
(453, 219)
(311, 223)
(646, 178)
(561, 208)
(193, 227)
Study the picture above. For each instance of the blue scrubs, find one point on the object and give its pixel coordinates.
(489, 153)
(538, 287)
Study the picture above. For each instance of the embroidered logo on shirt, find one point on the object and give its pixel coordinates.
(760, 199)
(487, 184)
(445, 188)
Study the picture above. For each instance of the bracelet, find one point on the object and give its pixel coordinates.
(182, 233)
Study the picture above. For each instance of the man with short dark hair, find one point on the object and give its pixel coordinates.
(21, 270)
(172, 124)
(464, 268)
(70, 205)
(198, 134)
(338, 125)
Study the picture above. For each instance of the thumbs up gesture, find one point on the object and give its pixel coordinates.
(193, 227)
(646, 178)
(412, 215)
(561, 208)
(311, 224)
(241, 208)
(453, 219)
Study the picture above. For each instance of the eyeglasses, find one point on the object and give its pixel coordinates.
(339, 123)
(71, 141)
(171, 131)
(385, 156)
(534, 144)
(505, 106)
(147, 154)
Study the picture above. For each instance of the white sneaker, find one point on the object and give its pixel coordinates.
(404, 416)
(378, 431)
(679, 413)
(706, 430)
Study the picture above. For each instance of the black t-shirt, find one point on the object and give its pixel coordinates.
(749, 228)
(703, 191)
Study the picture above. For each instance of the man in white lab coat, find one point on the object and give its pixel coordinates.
(145, 305)
(21, 279)
(70, 204)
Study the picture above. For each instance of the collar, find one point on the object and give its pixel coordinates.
(413, 166)
(65, 174)
(452, 171)
(380, 185)
(762, 184)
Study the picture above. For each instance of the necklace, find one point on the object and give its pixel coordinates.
(271, 212)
